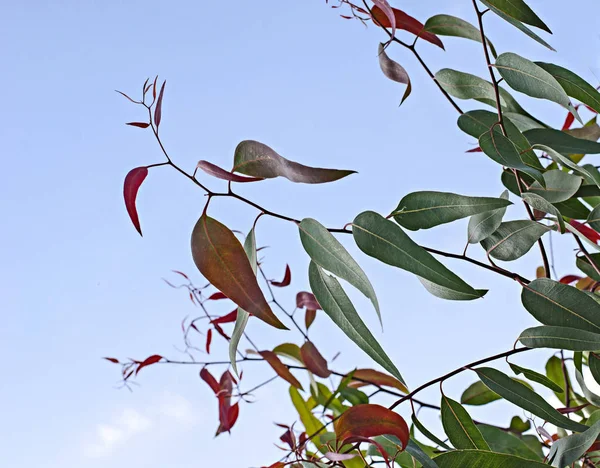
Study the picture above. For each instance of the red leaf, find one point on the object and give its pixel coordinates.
(309, 317)
(216, 296)
(229, 318)
(386, 13)
(158, 109)
(369, 420)
(148, 362)
(138, 124)
(475, 150)
(123, 94)
(133, 180)
(313, 360)
(568, 121)
(221, 332)
(287, 279)
(308, 300)
(568, 279)
(406, 22)
(586, 231)
(280, 368)
(220, 173)
(289, 438)
(210, 380)
(112, 359)
(208, 340)
(227, 414)
(362, 377)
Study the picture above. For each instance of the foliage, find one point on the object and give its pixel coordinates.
(548, 186)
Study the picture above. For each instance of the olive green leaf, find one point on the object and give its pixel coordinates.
(594, 365)
(424, 210)
(502, 441)
(459, 427)
(483, 224)
(584, 264)
(539, 203)
(466, 86)
(513, 239)
(536, 377)
(448, 25)
(560, 338)
(517, 10)
(427, 433)
(478, 394)
(560, 186)
(594, 218)
(573, 208)
(561, 141)
(483, 459)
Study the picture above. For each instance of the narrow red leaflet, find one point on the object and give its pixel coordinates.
(138, 124)
(407, 23)
(474, 150)
(221, 332)
(220, 173)
(148, 362)
(112, 359)
(216, 296)
(229, 318)
(133, 180)
(586, 231)
(309, 317)
(210, 380)
(308, 300)
(568, 279)
(568, 121)
(313, 360)
(287, 279)
(181, 273)
(208, 340)
(158, 109)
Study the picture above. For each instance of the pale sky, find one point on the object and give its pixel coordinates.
(79, 283)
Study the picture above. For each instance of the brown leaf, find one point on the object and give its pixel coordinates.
(309, 317)
(132, 184)
(308, 300)
(287, 279)
(280, 368)
(407, 23)
(112, 359)
(313, 360)
(363, 377)
(220, 173)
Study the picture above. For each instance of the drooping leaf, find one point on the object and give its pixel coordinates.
(502, 441)
(308, 300)
(327, 252)
(313, 360)
(484, 224)
(338, 307)
(465, 85)
(427, 433)
(258, 160)
(148, 362)
(518, 10)
(407, 23)
(525, 398)
(362, 377)
(280, 368)
(459, 427)
(287, 279)
(561, 141)
(560, 186)
(584, 264)
(222, 260)
(525, 76)
(448, 25)
(290, 351)
(568, 450)
(220, 173)
(382, 239)
(560, 338)
(566, 162)
(478, 394)
(536, 377)
(513, 239)
(210, 380)
(309, 317)
(133, 180)
(423, 210)
(483, 459)
(158, 108)
(540, 204)
(394, 71)
(228, 414)
(369, 421)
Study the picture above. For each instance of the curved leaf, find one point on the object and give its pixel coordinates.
(561, 141)
(313, 360)
(584, 265)
(133, 180)
(363, 377)
(220, 173)
(448, 25)
(459, 427)
(483, 459)
(559, 186)
(405, 22)
(568, 450)
(465, 85)
(536, 377)
(560, 338)
(502, 441)
(290, 351)
(567, 162)
(517, 10)
(483, 225)
(394, 71)
(280, 368)
(513, 239)
(594, 218)
(478, 394)
(540, 204)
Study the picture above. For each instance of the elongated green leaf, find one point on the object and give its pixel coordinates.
(536, 377)
(560, 338)
(478, 394)
(574, 85)
(501, 441)
(465, 85)
(327, 252)
(560, 186)
(590, 396)
(517, 10)
(384, 240)
(309, 420)
(566, 162)
(523, 122)
(391, 445)
(502, 150)
(424, 210)
(594, 365)
(525, 76)
(513, 239)
(258, 160)
(525, 398)
(448, 25)
(586, 266)
(573, 208)
(562, 141)
(484, 224)
(338, 307)
(427, 433)
(459, 427)
(483, 459)
(539, 203)
(569, 449)
(561, 305)
(594, 218)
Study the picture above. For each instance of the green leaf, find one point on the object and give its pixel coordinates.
(566, 162)
(525, 398)
(354, 396)
(405, 459)
(309, 420)
(525, 76)
(561, 305)
(594, 218)
(427, 433)
(561, 141)
(327, 252)
(448, 25)
(483, 459)
(519, 425)
(424, 210)
(484, 224)
(517, 10)
(573, 208)
(502, 150)
(569, 449)
(465, 86)
(574, 85)
(594, 365)
(586, 266)
(513, 239)
(560, 186)
(536, 377)
(501, 441)
(560, 338)
(242, 316)
(338, 307)
(459, 427)
(554, 371)
(478, 394)
(385, 241)
(290, 351)
(539, 203)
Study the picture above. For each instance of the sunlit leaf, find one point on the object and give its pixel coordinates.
(289, 350)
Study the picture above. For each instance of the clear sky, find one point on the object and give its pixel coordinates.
(79, 283)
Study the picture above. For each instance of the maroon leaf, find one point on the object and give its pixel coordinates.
(288, 437)
(405, 22)
(148, 362)
(309, 317)
(280, 368)
(158, 109)
(227, 417)
(216, 296)
(586, 231)
(123, 94)
(568, 279)
(133, 180)
(181, 273)
(221, 332)
(229, 318)
(382, 7)
(138, 124)
(475, 150)
(216, 171)
(308, 300)
(394, 71)
(112, 359)
(208, 340)
(313, 360)
(210, 380)
(287, 279)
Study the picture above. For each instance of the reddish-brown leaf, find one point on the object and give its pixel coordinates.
(208, 340)
(568, 279)
(308, 300)
(158, 108)
(181, 273)
(224, 397)
(133, 180)
(363, 377)
(221, 332)
(568, 121)
(370, 420)
(309, 317)
(138, 124)
(313, 360)
(222, 260)
(386, 14)
(220, 173)
(148, 362)
(475, 150)
(288, 437)
(112, 359)
(287, 279)
(229, 318)
(123, 94)
(407, 23)
(210, 380)
(280, 368)
(586, 231)
(216, 296)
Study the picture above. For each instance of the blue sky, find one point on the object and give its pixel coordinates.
(79, 283)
